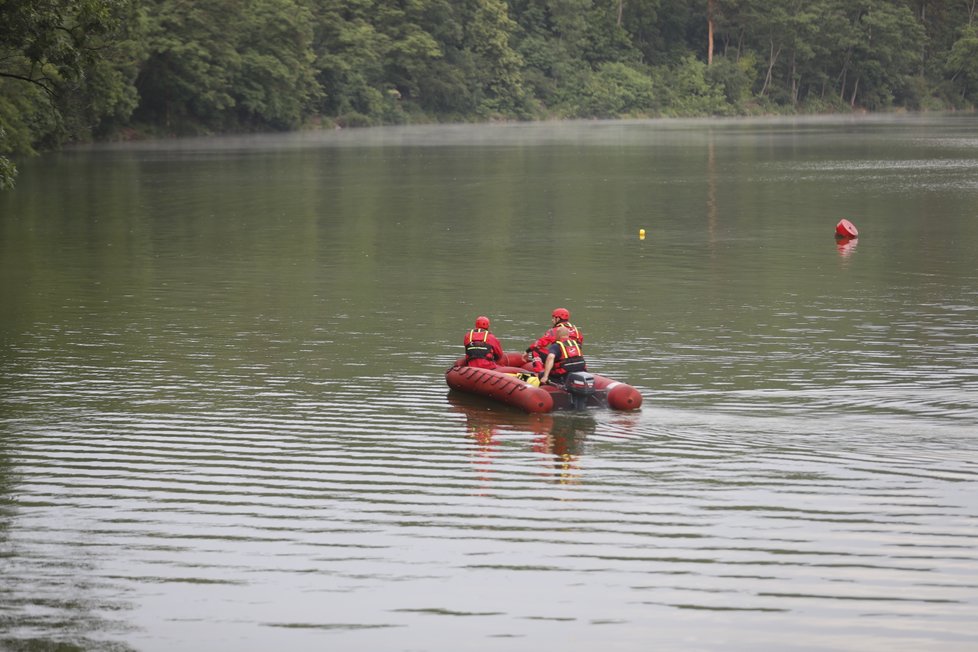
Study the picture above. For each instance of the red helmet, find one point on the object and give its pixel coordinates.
(561, 314)
(482, 322)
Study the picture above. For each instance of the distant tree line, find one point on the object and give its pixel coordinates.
(75, 70)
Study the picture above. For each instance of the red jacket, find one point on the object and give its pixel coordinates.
(482, 349)
(550, 337)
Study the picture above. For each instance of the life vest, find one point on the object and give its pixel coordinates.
(574, 333)
(478, 348)
(550, 337)
(571, 358)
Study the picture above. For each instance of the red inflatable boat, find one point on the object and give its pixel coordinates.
(507, 384)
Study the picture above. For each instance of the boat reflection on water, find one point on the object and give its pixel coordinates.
(558, 438)
(564, 443)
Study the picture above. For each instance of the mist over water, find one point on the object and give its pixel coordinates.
(224, 422)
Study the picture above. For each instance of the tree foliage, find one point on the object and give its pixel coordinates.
(66, 68)
(962, 64)
(226, 64)
(74, 70)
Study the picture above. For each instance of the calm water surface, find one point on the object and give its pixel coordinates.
(224, 422)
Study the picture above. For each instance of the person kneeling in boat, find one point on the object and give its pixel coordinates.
(482, 349)
(563, 357)
(537, 352)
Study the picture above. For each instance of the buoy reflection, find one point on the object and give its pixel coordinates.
(846, 246)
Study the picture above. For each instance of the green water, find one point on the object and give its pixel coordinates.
(223, 415)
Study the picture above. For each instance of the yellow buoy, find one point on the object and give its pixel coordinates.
(641, 234)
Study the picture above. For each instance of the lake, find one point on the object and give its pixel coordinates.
(224, 423)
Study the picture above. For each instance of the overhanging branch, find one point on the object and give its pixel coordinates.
(37, 82)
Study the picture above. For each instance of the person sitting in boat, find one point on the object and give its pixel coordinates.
(537, 352)
(482, 349)
(563, 357)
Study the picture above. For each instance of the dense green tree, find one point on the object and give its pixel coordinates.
(793, 33)
(227, 64)
(498, 65)
(411, 47)
(616, 89)
(76, 69)
(962, 64)
(690, 91)
(66, 70)
(457, 82)
(876, 58)
(549, 62)
(734, 78)
(51, 43)
(568, 21)
(8, 171)
(276, 84)
(449, 86)
(641, 21)
(349, 61)
(606, 37)
(684, 30)
(187, 75)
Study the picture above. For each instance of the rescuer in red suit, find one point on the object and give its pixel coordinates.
(563, 357)
(482, 349)
(537, 352)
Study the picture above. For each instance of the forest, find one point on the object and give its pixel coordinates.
(81, 70)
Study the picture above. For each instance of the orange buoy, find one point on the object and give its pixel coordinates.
(846, 229)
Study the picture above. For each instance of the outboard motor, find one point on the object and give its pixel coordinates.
(580, 384)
